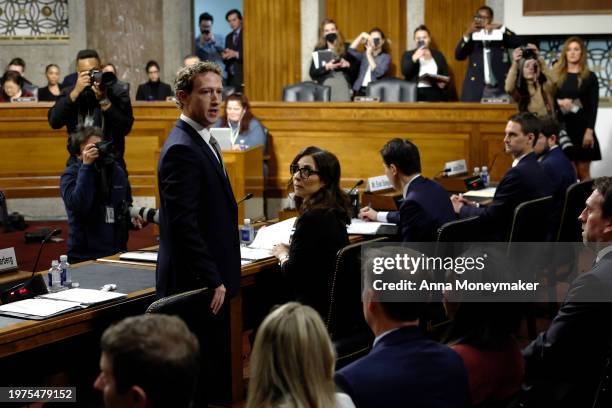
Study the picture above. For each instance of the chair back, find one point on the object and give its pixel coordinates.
(570, 229)
(393, 90)
(531, 220)
(306, 92)
(187, 305)
(453, 236)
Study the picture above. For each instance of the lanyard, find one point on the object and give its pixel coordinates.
(234, 132)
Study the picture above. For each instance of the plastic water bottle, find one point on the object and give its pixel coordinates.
(484, 175)
(247, 232)
(65, 275)
(476, 171)
(54, 277)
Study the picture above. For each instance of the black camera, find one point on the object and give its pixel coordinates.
(105, 148)
(206, 32)
(528, 53)
(104, 79)
(420, 44)
(376, 41)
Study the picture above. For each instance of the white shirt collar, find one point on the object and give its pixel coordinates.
(603, 253)
(202, 131)
(516, 161)
(405, 192)
(383, 334)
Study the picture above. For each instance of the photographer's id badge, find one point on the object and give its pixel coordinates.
(110, 215)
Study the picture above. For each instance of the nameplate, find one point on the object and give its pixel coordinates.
(455, 167)
(25, 99)
(378, 183)
(366, 99)
(8, 260)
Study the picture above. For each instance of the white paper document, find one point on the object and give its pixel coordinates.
(85, 297)
(488, 192)
(140, 256)
(254, 254)
(279, 233)
(362, 227)
(38, 308)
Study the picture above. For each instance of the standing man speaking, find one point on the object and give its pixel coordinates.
(199, 244)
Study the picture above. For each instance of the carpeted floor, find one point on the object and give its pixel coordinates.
(26, 253)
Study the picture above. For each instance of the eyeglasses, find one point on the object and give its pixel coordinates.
(305, 172)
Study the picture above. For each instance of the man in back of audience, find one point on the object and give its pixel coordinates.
(18, 65)
(233, 50)
(148, 361)
(209, 46)
(565, 364)
(404, 369)
(524, 181)
(425, 206)
(556, 165)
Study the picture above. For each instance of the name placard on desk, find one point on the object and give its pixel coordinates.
(8, 260)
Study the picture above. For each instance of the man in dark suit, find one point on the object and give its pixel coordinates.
(525, 181)
(488, 60)
(233, 50)
(198, 215)
(425, 206)
(566, 362)
(404, 369)
(556, 165)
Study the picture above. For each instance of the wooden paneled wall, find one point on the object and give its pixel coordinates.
(555, 7)
(447, 20)
(272, 47)
(356, 16)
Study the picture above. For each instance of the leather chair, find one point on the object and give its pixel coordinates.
(531, 220)
(570, 229)
(393, 90)
(306, 92)
(345, 323)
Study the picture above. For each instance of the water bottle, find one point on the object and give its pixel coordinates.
(54, 276)
(247, 233)
(65, 268)
(484, 175)
(242, 145)
(476, 171)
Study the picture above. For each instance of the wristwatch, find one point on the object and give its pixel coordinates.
(104, 102)
(283, 259)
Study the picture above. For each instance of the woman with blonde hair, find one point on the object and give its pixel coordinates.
(292, 364)
(578, 100)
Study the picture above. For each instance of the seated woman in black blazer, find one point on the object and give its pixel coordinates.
(320, 230)
(425, 60)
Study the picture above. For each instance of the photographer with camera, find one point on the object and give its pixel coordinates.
(96, 99)
(427, 67)
(97, 196)
(530, 83)
(374, 62)
(488, 59)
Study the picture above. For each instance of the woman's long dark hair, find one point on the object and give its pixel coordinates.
(330, 196)
(245, 122)
(521, 93)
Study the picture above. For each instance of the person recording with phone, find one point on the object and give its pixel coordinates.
(374, 62)
(488, 59)
(427, 67)
(530, 83)
(96, 99)
(97, 196)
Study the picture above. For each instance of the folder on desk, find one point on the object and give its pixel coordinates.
(139, 256)
(54, 304)
(361, 227)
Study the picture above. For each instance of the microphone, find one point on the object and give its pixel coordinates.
(23, 290)
(493, 161)
(360, 182)
(243, 199)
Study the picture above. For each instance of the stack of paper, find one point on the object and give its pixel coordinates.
(361, 227)
(279, 233)
(140, 256)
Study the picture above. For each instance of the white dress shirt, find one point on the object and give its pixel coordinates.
(516, 161)
(202, 131)
(427, 66)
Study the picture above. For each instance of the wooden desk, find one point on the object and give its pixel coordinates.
(355, 132)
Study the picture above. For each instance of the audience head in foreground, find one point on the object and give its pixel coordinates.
(148, 361)
(199, 92)
(292, 364)
(403, 368)
(190, 60)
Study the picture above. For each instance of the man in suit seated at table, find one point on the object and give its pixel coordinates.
(404, 368)
(556, 165)
(148, 361)
(524, 181)
(565, 364)
(425, 206)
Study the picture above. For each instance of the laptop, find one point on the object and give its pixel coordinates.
(223, 136)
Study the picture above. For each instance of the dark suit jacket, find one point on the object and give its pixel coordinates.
(424, 209)
(410, 69)
(526, 181)
(351, 73)
(198, 221)
(569, 356)
(234, 64)
(560, 171)
(473, 84)
(405, 369)
(319, 235)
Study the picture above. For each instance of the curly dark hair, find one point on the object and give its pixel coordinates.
(330, 196)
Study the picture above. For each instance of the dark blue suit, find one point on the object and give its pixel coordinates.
(404, 369)
(199, 244)
(424, 209)
(526, 181)
(560, 171)
(474, 81)
(570, 355)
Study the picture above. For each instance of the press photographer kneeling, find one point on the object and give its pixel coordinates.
(98, 199)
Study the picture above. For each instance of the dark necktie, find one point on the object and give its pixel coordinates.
(217, 149)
